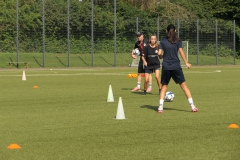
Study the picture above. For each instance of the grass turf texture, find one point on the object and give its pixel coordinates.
(68, 117)
(100, 60)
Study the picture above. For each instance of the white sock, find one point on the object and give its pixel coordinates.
(190, 101)
(150, 85)
(160, 104)
(138, 84)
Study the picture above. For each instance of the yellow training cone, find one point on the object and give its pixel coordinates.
(129, 76)
(233, 126)
(35, 87)
(13, 146)
(134, 75)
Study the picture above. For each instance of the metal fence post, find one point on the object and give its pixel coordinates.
(92, 34)
(197, 41)
(115, 32)
(234, 42)
(158, 28)
(216, 42)
(17, 28)
(136, 24)
(43, 33)
(68, 31)
(178, 29)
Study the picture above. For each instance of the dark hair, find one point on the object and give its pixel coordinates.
(171, 34)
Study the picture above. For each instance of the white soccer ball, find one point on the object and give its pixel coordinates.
(136, 52)
(169, 96)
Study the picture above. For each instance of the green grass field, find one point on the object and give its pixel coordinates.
(100, 60)
(68, 116)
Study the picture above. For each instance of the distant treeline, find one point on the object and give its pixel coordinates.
(30, 14)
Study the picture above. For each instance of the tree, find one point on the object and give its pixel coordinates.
(224, 9)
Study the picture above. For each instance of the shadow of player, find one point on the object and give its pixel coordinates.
(155, 108)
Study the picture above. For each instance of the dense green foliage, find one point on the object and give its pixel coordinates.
(30, 22)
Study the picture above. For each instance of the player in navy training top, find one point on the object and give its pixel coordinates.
(171, 67)
(140, 44)
(151, 62)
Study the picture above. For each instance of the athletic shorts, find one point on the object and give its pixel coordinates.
(140, 68)
(151, 70)
(176, 75)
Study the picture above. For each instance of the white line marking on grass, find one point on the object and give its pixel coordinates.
(217, 71)
(96, 74)
(77, 74)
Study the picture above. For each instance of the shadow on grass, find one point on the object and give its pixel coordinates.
(155, 108)
(140, 93)
(61, 61)
(37, 61)
(106, 61)
(83, 61)
(137, 92)
(130, 89)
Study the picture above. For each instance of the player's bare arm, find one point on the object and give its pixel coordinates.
(184, 58)
(160, 53)
(144, 61)
(132, 54)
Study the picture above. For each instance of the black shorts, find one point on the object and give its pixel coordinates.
(140, 68)
(151, 70)
(176, 75)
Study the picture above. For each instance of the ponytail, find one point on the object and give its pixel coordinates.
(171, 34)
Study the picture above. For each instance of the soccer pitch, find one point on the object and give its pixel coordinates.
(67, 116)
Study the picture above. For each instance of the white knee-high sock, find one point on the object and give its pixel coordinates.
(150, 85)
(190, 101)
(161, 101)
(138, 84)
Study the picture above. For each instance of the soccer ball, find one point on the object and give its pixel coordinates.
(136, 52)
(169, 96)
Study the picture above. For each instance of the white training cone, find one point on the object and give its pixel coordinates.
(24, 76)
(120, 111)
(110, 95)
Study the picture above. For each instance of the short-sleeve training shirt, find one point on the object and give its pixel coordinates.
(170, 55)
(141, 46)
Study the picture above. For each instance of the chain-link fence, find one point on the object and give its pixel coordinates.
(77, 33)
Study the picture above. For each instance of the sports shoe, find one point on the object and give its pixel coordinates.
(160, 109)
(149, 90)
(144, 93)
(195, 109)
(136, 89)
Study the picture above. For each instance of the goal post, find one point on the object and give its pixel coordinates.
(135, 62)
(185, 50)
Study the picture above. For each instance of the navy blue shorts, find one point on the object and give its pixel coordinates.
(176, 75)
